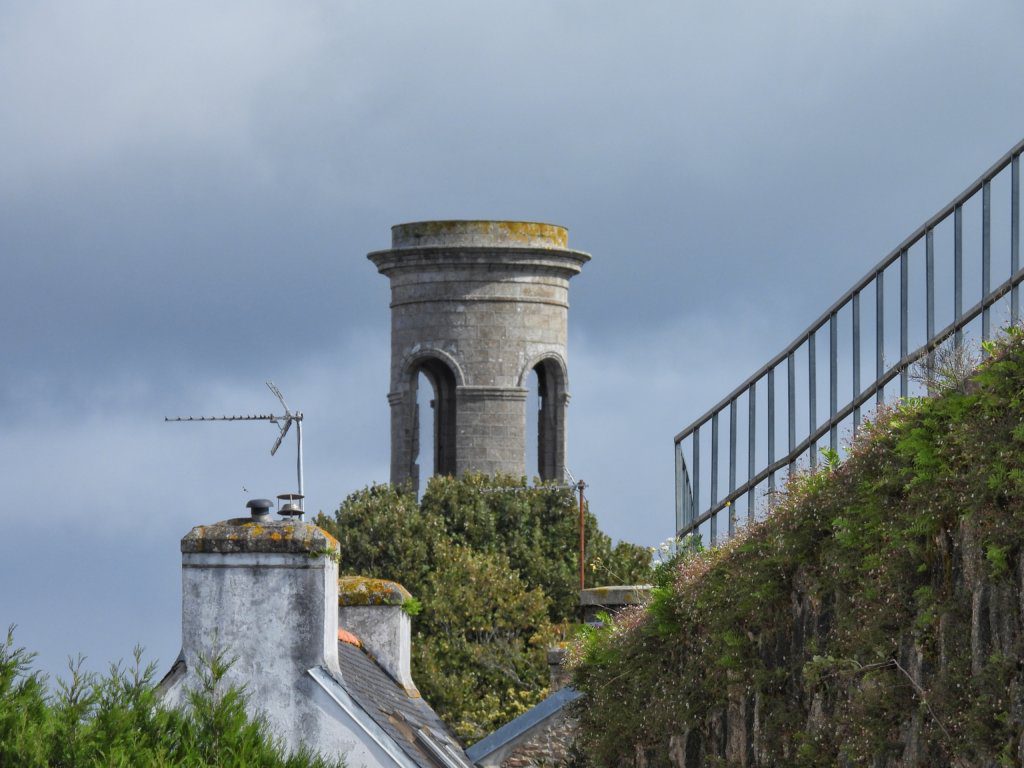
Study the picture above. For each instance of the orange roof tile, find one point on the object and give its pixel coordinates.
(347, 637)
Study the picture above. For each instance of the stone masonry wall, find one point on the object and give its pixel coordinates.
(546, 749)
(488, 439)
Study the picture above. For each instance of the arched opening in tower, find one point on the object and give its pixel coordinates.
(548, 381)
(533, 401)
(435, 417)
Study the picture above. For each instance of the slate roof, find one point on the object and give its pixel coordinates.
(522, 727)
(408, 720)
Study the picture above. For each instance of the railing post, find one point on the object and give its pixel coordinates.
(856, 360)
(812, 396)
(904, 322)
(986, 257)
(1015, 236)
(680, 502)
(833, 383)
(791, 390)
(929, 278)
(958, 270)
(732, 466)
(696, 476)
(879, 335)
(771, 429)
(751, 447)
(714, 477)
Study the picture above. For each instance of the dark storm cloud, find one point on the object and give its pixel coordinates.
(188, 193)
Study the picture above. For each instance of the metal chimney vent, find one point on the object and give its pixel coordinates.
(292, 506)
(260, 508)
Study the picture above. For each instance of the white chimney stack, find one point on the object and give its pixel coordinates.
(264, 595)
(375, 611)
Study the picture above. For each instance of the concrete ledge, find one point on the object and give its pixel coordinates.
(633, 594)
(491, 393)
(480, 300)
(564, 263)
(262, 560)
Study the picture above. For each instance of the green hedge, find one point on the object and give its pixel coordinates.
(846, 615)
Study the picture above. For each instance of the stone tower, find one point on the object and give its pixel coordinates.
(476, 306)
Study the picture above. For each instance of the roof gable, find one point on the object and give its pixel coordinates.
(408, 720)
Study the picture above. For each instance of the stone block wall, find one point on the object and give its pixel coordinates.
(548, 748)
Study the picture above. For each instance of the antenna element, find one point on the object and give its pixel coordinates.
(283, 423)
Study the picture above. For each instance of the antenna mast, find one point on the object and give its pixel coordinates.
(283, 423)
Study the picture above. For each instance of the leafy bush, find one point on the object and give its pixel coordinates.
(116, 720)
(495, 566)
(481, 644)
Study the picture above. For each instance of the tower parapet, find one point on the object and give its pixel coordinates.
(476, 306)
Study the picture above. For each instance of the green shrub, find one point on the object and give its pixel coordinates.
(495, 566)
(116, 720)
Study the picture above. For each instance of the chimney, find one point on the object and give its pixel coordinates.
(263, 596)
(374, 610)
(560, 675)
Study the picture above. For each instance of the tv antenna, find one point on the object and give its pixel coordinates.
(283, 423)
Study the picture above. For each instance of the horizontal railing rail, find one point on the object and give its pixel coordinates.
(763, 464)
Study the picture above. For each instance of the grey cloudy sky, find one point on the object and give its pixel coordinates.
(188, 192)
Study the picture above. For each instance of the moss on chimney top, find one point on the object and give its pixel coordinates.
(243, 534)
(361, 590)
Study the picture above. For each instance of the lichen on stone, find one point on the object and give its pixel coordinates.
(243, 534)
(362, 590)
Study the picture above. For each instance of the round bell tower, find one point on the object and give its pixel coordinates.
(476, 306)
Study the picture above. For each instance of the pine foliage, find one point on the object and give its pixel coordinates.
(115, 720)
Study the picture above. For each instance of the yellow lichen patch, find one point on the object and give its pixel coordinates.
(331, 541)
(530, 234)
(362, 590)
(246, 535)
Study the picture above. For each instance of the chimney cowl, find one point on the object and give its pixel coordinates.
(260, 508)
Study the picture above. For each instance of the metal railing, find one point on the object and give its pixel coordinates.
(766, 464)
